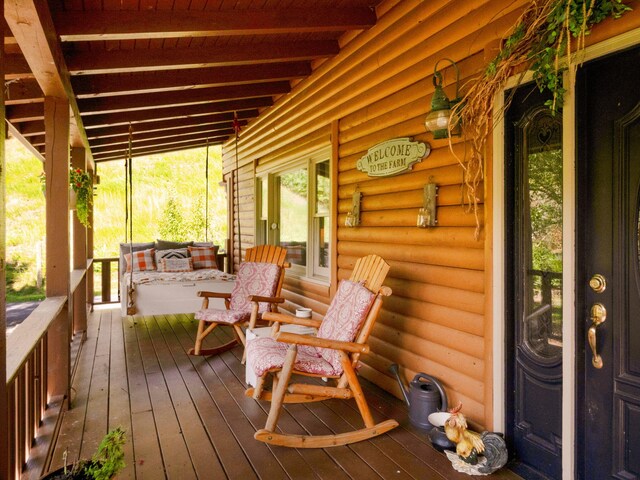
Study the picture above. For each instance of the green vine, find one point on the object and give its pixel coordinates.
(546, 40)
(82, 185)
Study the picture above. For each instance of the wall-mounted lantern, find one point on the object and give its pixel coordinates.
(439, 117)
(353, 216)
(427, 214)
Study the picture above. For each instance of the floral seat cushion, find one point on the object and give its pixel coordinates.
(220, 315)
(253, 278)
(344, 317)
(264, 354)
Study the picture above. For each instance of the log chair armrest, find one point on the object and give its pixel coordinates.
(282, 318)
(258, 298)
(214, 294)
(287, 337)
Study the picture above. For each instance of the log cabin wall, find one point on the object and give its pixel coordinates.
(379, 87)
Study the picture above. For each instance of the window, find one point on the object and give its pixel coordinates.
(293, 206)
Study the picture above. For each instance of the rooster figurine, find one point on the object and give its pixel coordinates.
(470, 445)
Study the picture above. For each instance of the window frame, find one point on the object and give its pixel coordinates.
(269, 232)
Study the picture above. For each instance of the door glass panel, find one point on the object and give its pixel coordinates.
(294, 215)
(542, 235)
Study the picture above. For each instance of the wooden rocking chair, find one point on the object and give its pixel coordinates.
(257, 290)
(333, 353)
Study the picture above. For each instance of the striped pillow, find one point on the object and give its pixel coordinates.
(176, 265)
(173, 253)
(204, 257)
(141, 261)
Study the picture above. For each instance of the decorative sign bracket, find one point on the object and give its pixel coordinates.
(392, 157)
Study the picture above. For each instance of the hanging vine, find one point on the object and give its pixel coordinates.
(547, 39)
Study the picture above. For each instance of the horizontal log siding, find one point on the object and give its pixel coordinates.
(379, 87)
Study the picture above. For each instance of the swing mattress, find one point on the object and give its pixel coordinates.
(160, 293)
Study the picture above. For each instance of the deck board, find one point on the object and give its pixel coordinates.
(187, 417)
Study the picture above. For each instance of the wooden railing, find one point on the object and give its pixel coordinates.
(33, 376)
(106, 267)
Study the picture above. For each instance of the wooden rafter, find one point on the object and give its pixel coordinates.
(126, 24)
(171, 124)
(27, 112)
(119, 155)
(202, 95)
(157, 114)
(207, 130)
(111, 84)
(137, 145)
(124, 61)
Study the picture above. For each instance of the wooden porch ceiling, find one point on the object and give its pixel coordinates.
(176, 71)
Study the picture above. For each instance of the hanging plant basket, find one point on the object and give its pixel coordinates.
(82, 189)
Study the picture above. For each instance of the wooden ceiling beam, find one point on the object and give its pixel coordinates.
(120, 155)
(27, 112)
(124, 61)
(146, 24)
(143, 101)
(158, 114)
(170, 125)
(177, 133)
(22, 91)
(148, 82)
(16, 67)
(31, 24)
(29, 129)
(163, 142)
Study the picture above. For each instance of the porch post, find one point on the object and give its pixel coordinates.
(89, 253)
(4, 413)
(56, 121)
(78, 160)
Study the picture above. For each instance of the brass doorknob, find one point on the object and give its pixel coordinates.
(598, 316)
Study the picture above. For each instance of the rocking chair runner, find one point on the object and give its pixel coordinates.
(333, 353)
(257, 290)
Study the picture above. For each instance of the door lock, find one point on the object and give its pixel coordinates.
(598, 283)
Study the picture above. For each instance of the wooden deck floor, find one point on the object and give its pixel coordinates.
(188, 417)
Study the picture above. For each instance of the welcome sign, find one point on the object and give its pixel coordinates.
(392, 157)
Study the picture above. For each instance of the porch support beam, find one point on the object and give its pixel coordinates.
(56, 169)
(4, 394)
(78, 160)
(126, 24)
(32, 26)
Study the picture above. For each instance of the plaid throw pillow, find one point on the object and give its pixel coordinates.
(204, 257)
(141, 261)
(177, 265)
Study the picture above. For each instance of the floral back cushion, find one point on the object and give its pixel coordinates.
(348, 309)
(254, 278)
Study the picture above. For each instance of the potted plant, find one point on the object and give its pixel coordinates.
(103, 465)
(82, 185)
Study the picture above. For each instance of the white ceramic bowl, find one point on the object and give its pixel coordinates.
(437, 419)
(303, 312)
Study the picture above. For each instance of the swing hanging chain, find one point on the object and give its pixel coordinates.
(129, 215)
(206, 198)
